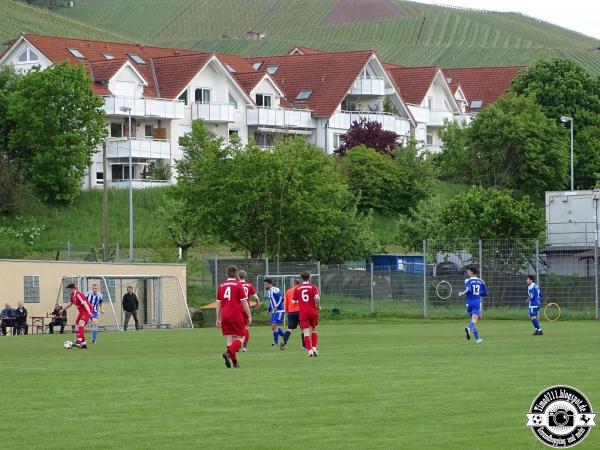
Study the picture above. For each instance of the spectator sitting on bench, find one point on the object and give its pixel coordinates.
(59, 318)
(21, 319)
(8, 318)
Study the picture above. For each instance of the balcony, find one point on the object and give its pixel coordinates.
(144, 107)
(437, 118)
(368, 86)
(420, 113)
(140, 148)
(390, 122)
(136, 183)
(280, 118)
(213, 112)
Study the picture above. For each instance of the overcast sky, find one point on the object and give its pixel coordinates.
(579, 15)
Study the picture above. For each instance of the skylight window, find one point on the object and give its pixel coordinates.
(476, 104)
(449, 80)
(271, 70)
(304, 94)
(257, 65)
(137, 58)
(76, 53)
(108, 56)
(229, 68)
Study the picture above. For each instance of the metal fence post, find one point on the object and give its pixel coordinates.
(319, 275)
(68, 250)
(424, 278)
(596, 275)
(481, 269)
(371, 288)
(216, 272)
(537, 261)
(266, 266)
(117, 251)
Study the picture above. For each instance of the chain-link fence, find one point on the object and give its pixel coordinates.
(426, 284)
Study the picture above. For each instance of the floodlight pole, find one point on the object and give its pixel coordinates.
(128, 110)
(565, 119)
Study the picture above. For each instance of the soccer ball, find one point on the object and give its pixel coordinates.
(68, 345)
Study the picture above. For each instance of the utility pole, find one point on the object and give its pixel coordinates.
(105, 204)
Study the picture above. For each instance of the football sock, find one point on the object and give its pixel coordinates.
(94, 334)
(471, 325)
(281, 333)
(314, 338)
(475, 333)
(247, 336)
(80, 334)
(275, 336)
(302, 340)
(234, 348)
(536, 324)
(307, 343)
(287, 336)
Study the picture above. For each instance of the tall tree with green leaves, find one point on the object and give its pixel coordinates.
(10, 177)
(56, 125)
(513, 145)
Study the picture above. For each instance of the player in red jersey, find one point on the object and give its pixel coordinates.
(84, 315)
(251, 295)
(307, 296)
(232, 303)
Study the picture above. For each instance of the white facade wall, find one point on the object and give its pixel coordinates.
(17, 51)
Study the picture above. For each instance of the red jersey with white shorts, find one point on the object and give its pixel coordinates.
(305, 295)
(80, 300)
(249, 290)
(231, 294)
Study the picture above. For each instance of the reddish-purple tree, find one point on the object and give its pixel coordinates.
(370, 134)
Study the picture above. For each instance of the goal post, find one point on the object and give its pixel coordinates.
(162, 302)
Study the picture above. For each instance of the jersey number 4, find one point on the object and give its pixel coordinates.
(227, 293)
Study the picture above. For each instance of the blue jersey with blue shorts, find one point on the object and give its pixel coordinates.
(474, 289)
(95, 300)
(276, 305)
(535, 299)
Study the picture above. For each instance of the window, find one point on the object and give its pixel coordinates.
(32, 289)
(229, 68)
(137, 58)
(349, 105)
(366, 74)
(272, 70)
(430, 103)
(476, 104)
(304, 94)
(233, 101)
(183, 97)
(76, 53)
(429, 139)
(264, 100)
(447, 105)
(234, 134)
(202, 95)
(337, 140)
(116, 130)
(28, 56)
(148, 131)
(99, 177)
(108, 56)
(120, 171)
(257, 65)
(449, 80)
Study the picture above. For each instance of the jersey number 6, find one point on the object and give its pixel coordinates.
(305, 296)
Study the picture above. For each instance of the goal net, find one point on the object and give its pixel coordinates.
(161, 299)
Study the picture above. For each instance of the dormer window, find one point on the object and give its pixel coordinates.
(28, 56)
(257, 65)
(229, 68)
(108, 56)
(476, 104)
(272, 70)
(304, 94)
(137, 58)
(76, 53)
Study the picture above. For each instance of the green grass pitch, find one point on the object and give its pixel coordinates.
(376, 385)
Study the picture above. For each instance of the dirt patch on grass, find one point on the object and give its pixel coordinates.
(352, 11)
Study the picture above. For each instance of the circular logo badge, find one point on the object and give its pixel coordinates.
(561, 417)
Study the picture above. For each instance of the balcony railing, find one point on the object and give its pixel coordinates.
(390, 122)
(280, 117)
(420, 113)
(368, 86)
(437, 118)
(213, 112)
(144, 107)
(137, 183)
(140, 148)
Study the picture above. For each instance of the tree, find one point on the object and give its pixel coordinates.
(562, 88)
(387, 186)
(587, 158)
(369, 134)
(10, 178)
(57, 123)
(290, 203)
(513, 145)
(181, 226)
(454, 156)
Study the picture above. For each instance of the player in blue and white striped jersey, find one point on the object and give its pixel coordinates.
(534, 298)
(276, 308)
(95, 299)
